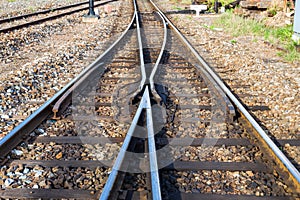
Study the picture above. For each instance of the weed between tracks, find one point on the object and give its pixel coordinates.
(279, 36)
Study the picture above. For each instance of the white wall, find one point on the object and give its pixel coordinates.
(296, 35)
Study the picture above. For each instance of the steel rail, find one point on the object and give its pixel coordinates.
(4, 30)
(144, 104)
(231, 109)
(66, 97)
(42, 12)
(97, 62)
(142, 63)
(108, 187)
(14, 137)
(155, 183)
(285, 161)
(159, 56)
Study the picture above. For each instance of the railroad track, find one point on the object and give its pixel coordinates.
(21, 21)
(147, 119)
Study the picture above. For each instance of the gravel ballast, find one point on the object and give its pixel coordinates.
(37, 61)
(252, 69)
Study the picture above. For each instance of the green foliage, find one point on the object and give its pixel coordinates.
(11, 1)
(205, 26)
(272, 12)
(223, 2)
(292, 53)
(233, 41)
(176, 8)
(283, 33)
(239, 26)
(31, 9)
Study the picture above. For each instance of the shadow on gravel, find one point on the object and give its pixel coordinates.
(273, 138)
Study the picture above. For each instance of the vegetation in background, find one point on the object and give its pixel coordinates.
(176, 18)
(189, 17)
(180, 4)
(176, 8)
(182, 1)
(223, 2)
(272, 12)
(281, 36)
(233, 41)
(31, 9)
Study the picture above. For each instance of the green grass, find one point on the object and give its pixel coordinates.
(31, 9)
(233, 41)
(176, 8)
(11, 1)
(239, 26)
(223, 2)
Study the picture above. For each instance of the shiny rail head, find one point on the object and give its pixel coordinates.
(159, 58)
(30, 123)
(290, 167)
(121, 160)
(285, 161)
